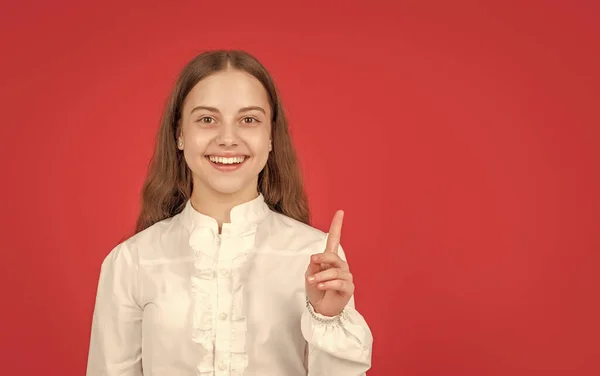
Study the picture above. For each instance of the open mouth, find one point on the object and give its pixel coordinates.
(227, 163)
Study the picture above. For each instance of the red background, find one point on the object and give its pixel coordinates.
(461, 139)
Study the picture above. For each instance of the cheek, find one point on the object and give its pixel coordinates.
(259, 142)
(197, 140)
(196, 144)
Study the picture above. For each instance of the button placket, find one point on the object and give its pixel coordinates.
(205, 244)
(224, 304)
(229, 318)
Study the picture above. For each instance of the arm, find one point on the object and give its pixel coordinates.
(116, 337)
(339, 345)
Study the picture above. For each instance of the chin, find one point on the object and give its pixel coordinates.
(226, 190)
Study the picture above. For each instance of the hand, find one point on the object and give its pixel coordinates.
(329, 284)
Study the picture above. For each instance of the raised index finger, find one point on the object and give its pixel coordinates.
(335, 232)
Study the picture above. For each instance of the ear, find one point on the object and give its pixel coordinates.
(180, 141)
(270, 145)
(179, 133)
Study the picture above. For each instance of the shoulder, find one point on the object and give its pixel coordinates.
(149, 243)
(290, 234)
(156, 233)
(296, 227)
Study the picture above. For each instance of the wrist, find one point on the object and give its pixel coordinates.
(318, 316)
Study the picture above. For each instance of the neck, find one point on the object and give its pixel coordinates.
(218, 205)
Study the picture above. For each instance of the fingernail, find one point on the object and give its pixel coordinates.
(321, 285)
(311, 279)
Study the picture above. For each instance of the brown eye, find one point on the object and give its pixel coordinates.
(206, 120)
(249, 120)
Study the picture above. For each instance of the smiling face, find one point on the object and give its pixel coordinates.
(225, 133)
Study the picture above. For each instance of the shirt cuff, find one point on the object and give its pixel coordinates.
(321, 318)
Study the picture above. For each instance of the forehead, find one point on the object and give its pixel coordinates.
(228, 91)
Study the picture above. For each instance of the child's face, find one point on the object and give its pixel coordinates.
(226, 132)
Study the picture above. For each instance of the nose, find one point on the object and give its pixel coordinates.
(227, 136)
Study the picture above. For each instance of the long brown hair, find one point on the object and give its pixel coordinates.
(169, 185)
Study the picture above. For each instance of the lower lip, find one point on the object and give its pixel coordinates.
(227, 167)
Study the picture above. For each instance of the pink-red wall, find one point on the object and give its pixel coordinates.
(461, 138)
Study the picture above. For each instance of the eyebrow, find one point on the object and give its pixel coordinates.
(216, 110)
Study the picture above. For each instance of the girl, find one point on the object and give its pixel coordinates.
(224, 275)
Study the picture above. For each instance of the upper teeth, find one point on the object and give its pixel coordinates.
(225, 160)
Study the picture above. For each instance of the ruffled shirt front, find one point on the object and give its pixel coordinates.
(181, 299)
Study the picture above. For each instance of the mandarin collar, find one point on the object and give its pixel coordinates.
(249, 212)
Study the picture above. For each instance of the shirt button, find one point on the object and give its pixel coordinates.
(224, 272)
(222, 366)
(223, 316)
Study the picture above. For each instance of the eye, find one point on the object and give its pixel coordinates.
(249, 120)
(205, 120)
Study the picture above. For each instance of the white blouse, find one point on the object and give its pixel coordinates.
(181, 299)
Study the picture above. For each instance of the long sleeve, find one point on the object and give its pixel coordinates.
(116, 337)
(338, 346)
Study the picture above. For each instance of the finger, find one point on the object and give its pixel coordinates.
(337, 285)
(330, 260)
(335, 232)
(330, 274)
(313, 267)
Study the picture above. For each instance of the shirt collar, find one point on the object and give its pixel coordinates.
(250, 212)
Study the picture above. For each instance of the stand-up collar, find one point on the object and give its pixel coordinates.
(249, 212)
